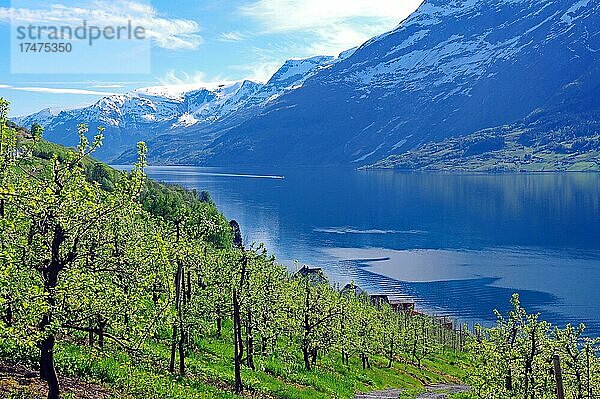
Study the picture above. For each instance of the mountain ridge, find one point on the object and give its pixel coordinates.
(563, 135)
(421, 104)
(151, 111)
(449, 69)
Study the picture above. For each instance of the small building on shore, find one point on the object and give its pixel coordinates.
(379, 300)
(446, 322)
(402, 304)
(352, 288)
(399, 304)
(314, 274)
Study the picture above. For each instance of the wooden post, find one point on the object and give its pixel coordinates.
(589, 381)
(560, 391)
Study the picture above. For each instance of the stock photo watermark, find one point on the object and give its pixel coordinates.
(53, 35)
(73, 39)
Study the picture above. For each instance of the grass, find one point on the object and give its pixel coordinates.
(209, 373)
(209, 365)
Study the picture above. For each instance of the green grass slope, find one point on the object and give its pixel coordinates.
(210, 374)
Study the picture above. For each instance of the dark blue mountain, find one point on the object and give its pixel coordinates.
(450, 69)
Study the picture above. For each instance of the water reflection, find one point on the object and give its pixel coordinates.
(461, 244)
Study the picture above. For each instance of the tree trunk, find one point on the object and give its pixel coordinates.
(509, 384)
(173, 349)
(560, 392)
(101, 328)
(391, 355)
(91, 334)
(307, 329)
(185, 295)
(249, 342)
(181, 347)
(314, 354)
(529, 367)
(238, 346)
(306, 357)
(47, 370)
(237, 327)
(219, 326)
(8, 319)
(50, 275)
(589, 380)
(178, 307)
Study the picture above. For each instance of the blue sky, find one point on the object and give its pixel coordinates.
(193, 41)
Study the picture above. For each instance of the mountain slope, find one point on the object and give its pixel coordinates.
(451, 68)
(178, 110)
(563, 135)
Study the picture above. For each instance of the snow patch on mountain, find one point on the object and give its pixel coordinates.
(185, 120)
(178, 91)
(571, 15)
(454, 60)
(451, 68)
(295, 72)
(175, 107)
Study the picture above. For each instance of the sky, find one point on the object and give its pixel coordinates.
(188, 42)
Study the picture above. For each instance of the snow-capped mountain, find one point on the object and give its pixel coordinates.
(451, 68)
(148, 112)
(454, 67)
(561, 135)
(43, 117)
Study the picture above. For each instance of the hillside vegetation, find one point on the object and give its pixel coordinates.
(115, 286)
(549, 142)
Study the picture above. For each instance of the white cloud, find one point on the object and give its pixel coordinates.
(168, 33)
(58, 90)
(337, 24)
(232, 37)
(293, 15)
(261, 71)
(267, 59)
(179, 81)
(89, 83)
(173, 77)
(108, 86)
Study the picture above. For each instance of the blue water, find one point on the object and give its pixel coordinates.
(460, 245)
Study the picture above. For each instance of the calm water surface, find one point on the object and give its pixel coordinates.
(458, 244)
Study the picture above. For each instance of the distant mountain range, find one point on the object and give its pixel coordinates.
(499, 84)
(177, 111)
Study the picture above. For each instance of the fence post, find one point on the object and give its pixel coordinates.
(560, 390)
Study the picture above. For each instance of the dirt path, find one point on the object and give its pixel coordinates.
(387, 394)
(441, 391)
(438, 391)
(16, 378)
